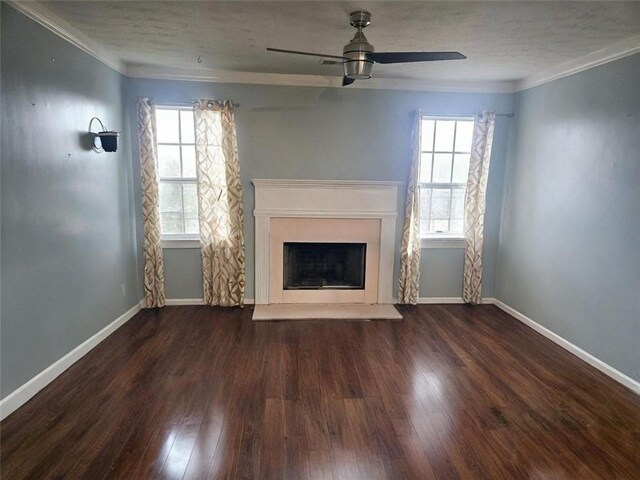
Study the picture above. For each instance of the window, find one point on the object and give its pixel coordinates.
(445, 149)
(177, 173)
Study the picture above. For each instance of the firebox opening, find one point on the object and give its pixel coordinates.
(313, 266)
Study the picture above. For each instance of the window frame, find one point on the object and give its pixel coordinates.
(178, 240)
(434, 239)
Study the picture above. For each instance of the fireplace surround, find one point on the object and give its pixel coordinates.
(333, 213)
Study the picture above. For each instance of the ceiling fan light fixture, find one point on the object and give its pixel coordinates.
(358, 69)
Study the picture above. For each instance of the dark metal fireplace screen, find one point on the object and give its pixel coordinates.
(314, 266)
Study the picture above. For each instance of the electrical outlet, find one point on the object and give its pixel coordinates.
(123, 286)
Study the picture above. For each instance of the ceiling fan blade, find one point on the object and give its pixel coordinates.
(295, 52)
(406, 57)
(347, 81)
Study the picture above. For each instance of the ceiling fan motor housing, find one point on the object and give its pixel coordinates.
(357, 65)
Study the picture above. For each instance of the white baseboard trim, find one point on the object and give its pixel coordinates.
(608, 370)
(436, 300)
(170, 302)
(23, 394)
(444, 300)
(448, 300)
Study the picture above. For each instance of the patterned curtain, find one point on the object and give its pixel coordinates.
(220, 203)
(474, 207)
(152, 234)
(410, 252)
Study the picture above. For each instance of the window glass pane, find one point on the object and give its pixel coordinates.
(460, 168)
(439, 226)
(170, 197)
(426, 137)
(190, 198)
(457, 203)
(456, 227)
(425, 167)
(187, 126)
(168, 160)
(189, 161)
(444, 135)
(442, 167)
(190, 223)
(171, 222)
(464, 134)
(167, 124)
(440, 202)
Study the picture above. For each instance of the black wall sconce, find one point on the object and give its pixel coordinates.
(108, 138)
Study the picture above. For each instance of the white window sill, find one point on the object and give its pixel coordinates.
(442, 242)
(180, 241)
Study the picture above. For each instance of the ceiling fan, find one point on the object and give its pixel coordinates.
(359, 56)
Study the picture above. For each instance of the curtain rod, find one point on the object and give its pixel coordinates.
(435, 115)
(235, 105)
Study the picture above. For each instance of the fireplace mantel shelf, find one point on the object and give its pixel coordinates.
(324, 183)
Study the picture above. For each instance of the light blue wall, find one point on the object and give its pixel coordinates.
(570, 239)
(303, 132)
(67, 243)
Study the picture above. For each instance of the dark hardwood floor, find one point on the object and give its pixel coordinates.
(450, 392)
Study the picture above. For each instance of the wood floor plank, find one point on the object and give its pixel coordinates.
(318, 465)
(450, 392)
(273, 441)
(344, 458)
(206, 443)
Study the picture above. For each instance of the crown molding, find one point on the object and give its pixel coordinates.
(324, 81)
(618, 50)
(229, 76)
(45, 17)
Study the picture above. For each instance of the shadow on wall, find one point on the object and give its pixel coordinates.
(326, 96)
(85, 140)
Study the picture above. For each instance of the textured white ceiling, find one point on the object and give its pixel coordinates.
(502, 40)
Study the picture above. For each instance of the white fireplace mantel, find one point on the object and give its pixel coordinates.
(325, 199)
